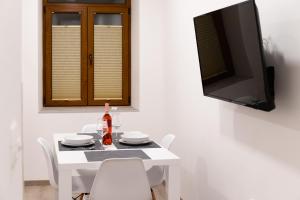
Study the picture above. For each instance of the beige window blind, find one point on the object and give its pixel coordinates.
(107, 62)
(66, 62)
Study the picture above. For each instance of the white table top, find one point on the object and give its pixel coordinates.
(77, 159)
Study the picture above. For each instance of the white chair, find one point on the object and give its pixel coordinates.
(167, 141)
(80, 184)
(119, 179)
(156, 174)
(90, 128)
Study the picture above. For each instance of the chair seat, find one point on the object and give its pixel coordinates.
(85, 172)
(155, 175)
(82, 184)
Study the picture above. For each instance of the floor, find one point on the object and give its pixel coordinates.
(46, 192)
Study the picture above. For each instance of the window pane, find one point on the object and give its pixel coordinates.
(66, 19)
(108, 56)
(108, 19)
(66, 56)
(89, 1)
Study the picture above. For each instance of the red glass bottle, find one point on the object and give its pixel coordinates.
(107, 126)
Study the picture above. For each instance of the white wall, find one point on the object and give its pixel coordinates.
(147, 84)
(231, 152)
(11, 185)
(228, 152)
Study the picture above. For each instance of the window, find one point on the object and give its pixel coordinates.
(86, 52)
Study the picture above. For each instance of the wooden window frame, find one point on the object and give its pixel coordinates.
(48, 55)
(125, 50)
(87, 48)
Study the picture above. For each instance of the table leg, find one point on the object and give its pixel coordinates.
(173, 182)
(65, 185)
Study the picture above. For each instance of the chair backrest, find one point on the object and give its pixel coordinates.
(167, 141)
(121, 179)
(90, 128)
(52, 168)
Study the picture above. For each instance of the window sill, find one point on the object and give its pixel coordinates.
(84, 109)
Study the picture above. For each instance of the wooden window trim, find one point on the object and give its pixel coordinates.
(125, 52)
(126, 4)
(48, 55)
(87, 71)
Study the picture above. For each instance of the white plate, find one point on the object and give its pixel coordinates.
(77, 145)
(133, 143)
(78, 139)
(134, 136)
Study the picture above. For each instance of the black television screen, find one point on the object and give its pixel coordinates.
(231, 57)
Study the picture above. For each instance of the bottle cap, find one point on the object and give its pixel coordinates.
(106, 107)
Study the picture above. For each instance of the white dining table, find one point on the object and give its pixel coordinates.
(69, 161)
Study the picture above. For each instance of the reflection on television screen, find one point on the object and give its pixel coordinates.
(231, 59)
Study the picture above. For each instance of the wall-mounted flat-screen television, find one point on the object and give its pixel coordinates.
(231, 57)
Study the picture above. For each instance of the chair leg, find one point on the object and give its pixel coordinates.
(153, 195)
(82, 195)
(79, 196)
